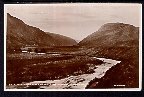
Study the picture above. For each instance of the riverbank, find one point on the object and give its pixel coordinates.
(122, 75)
(72, 82)
(33, 67)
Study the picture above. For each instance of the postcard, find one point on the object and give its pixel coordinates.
(73, 47)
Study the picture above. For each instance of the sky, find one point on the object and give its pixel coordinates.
(75, 20)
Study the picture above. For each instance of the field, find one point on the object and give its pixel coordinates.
(26, 67)
(65, 62)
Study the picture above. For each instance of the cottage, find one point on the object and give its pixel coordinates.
(29, 48)
(33, 49)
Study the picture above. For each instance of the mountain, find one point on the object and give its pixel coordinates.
(20, 34)
(112, 34)
(120, 42)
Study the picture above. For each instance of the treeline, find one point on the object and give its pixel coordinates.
(45, 49)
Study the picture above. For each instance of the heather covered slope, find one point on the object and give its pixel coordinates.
(20, 34)
(125, 73)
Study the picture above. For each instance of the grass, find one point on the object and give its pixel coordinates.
(33, 67)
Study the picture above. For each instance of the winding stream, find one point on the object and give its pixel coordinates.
(76, 82)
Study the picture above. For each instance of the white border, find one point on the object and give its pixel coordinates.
(140, 50)
(5, 23)
(113, 89)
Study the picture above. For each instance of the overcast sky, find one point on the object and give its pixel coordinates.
(75, 20)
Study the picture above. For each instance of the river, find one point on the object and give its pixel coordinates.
(76, 82)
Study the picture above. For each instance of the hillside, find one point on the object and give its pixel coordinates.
(112, 34)
(20, 34)
(120, 42)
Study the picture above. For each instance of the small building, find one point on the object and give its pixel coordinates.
(33, 49)
(29, 48)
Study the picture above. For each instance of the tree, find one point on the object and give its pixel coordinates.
(36, 50)
(29, 49)
(43, 50)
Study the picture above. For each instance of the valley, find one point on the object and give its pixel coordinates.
(33, 55)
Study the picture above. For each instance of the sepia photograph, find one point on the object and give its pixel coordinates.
(73, 47)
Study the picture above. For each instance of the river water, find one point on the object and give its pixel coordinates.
(76, 82)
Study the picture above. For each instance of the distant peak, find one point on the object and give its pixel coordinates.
(114, 25)
(118, 24)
